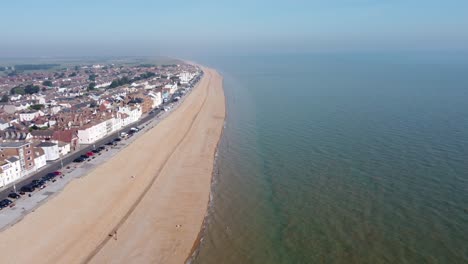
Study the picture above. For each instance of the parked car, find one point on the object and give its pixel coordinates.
(117, 139)
(89, 154)
(27, 188)
(14, 195)
(57, 173)
(101, 148)
(110, 143)
(38, 183)
(49, 176)
(95, 151)
(79, 159)
(5, 202)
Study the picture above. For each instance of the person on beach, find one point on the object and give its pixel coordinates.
(113, 235)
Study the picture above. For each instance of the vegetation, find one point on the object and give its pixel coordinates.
(28, 89)
(34, 127)
(4, 98)
(126, 80)
(33, 67)
(37, 106)
(2, 68)
(146, 65)
(91, 86)
(119, 82)
(92, 77)
(31, 89)
(47, 83)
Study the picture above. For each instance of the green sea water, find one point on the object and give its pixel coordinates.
(341, 159)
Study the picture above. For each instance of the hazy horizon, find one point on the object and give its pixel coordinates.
(144, 28)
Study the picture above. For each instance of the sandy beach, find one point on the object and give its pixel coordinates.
(152, 196)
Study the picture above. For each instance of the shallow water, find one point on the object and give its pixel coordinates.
(341, 159)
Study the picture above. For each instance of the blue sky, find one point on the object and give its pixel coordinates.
(140, 27)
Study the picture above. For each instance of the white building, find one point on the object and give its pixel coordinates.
(133, 113)
(51, 150)
(92, 132)
(64, 148)
(4, 124)
(40, 159)
(10, 170)
(39, 98)
(156, 97)
(15, 97)
(186, 77)
(29, 116)
(171, 87)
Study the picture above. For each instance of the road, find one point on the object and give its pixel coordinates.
(57, 165)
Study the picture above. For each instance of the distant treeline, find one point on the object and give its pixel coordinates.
(146, 65)
(28, 89)
(168, 65)
(2, 68)
(34, 67)
(126, 80)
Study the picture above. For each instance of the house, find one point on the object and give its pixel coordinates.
(170, 88)
(40, 159)
(10, 170)
(156, 97)
(92, 132)
(30, 115)
(133, 113)
(42, 134)
(51, 150)
(4, 124)
(23, 150)
(64, 148)
(12, 135)
(186, 77)
(67, 136)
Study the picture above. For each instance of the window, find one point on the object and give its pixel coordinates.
(27, 146)
(29, 158)
(30, 164)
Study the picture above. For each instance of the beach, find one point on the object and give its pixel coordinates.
(145, 205)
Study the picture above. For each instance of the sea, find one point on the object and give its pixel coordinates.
(340, 158)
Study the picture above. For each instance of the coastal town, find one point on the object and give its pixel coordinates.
(48, 115)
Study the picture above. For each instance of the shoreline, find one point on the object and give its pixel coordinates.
(199, 240)
(80, 234)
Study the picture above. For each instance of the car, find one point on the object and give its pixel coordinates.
(49, 176)
(38, 183)
(84, 156)
(79, 159)
(89, 154)
(102, 148)
(95, 151)
(110, 143)
(27, 188)
(117, 139)
(35, 184)
(14, 195)
(46, 178)
(5, 202)
(57, 173)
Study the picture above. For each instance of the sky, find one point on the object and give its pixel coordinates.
(176, 27)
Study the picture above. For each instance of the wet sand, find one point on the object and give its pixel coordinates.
(156, 215)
